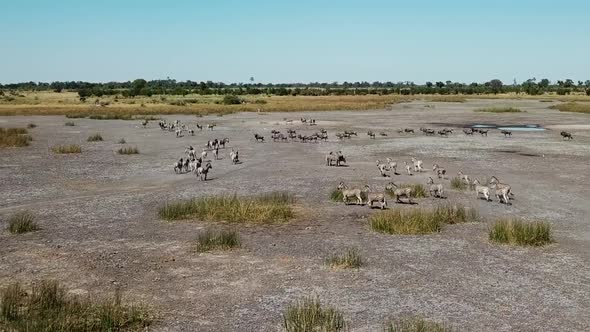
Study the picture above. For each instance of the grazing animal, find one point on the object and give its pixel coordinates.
(392, 165)
(565, 134)
(191, 132)
(408, 168)
(144, 123)
(178, 166)
(440, 172)
(483, 190)
(429, 132)
(234, 156)
(350, 133)
(417, 165)
(210, 126)
(216, 153)
(204, 154)
(335, 159)
(199, 126)
(409, 130)
(483, 132)
(507, 133)
(375, 197)
(258, 138)
(494, 180)
(371, 134)
(223, 142)
(195, 164)
(203, 171)
(382, 168)
(399, 192)
(350, 193)
(178, 132)
(436, 190)
(464, 178)
(382, 133)
(501, 193)
(468, 131)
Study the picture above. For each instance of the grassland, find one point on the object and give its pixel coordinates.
(14, 137)
(573, 107)
(48, 307)
(521, 233)
(66, 149)
(266, 208)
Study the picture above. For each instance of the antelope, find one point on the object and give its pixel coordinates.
(565, 134)
(464, 178)
(178, 166)
(382, 168)
(468, 131)
(440, 172)
(436, 190)
(399, 192)
(408, 130)
(216, 153)
(417, 165)
(382, 133)
(204, 154)
(375, 197)
(506, 133)
(494, 180)
(501, 193)
(371, 134)
(259, 138)
(210, 126)
(350, 193)
(479, 189)
(144, 123)
(392, 165)
(408, 168)
(203, 171)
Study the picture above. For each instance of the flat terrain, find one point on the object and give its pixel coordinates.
(100, 229)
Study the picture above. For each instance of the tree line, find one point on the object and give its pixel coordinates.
(141, 87)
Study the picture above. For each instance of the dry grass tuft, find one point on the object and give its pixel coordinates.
(573, 107)
(128, 150)
(522, 233)
(349, 259)
(210, 240)
(416, 324)
(267, 208)
(70, 123)
(14, 137)
(309, 315)
(95, 138)
(66, 149)
(459, 184)
(22, 222)
(499, 110)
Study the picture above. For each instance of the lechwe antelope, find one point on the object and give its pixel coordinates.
(417, 165)
(501, 193)
(350, 193)
(440, 172)
(408, 168)
(399, 192)
(479, 189)
(494, 180)
(375, 197)
(436, 190)
(203, 171)
(392, 165)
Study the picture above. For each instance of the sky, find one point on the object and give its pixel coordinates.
(294, 41)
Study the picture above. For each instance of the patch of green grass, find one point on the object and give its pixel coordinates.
(210, 240)
(522, 233)
(14, 137)
(499, 110)
(416, 324)
(128, 150)
(66, 149)
(418, 190)
(349, 259)
(70, 124)
(573, 107)
(267, 208)
(95, 138)
(122, 141)
(421, 221)
(49, 307)
(309, 315)
(31, 126)
(458, 184)
(22, 222)
(336, 195)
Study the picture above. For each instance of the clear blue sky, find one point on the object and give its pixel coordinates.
(294, 41)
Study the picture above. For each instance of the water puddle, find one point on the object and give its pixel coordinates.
(525, 127)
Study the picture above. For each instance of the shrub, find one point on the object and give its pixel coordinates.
(70, 124)
(350, 259)
(308, 314)
(499, 110)
(48, 307)
(588, 92)
(64, 149)
(274, 207)
(416, 324)
(522, 233)
(218, 240)
(95, 138)
(459, 184)
(22, 222)
(14, 137)
(418, 190)
(31, 126)
(128, 150)
(231, 100)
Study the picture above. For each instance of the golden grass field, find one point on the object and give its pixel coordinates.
(52, 103)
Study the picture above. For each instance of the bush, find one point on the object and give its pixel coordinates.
(22, 222)
(588, 92)
(308, 315)
(14, 137)
(128, 150)
(416, 325)
(95, 138)
(70, 124)
(231, 100)
(516, 232)
(49, 307)
(65, 149)
(274, 207)
(350, 259)
(218, 240)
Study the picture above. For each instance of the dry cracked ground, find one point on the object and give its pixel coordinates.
(100, 229)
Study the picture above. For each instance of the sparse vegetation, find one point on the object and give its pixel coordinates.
(22, 222)
(128, 150)
(14, 137)
(65, 149)
(266, 208)
(421, 221)
(70, 124)
(308, 315)
(122, 141)
(416, 324)
(336, 195)
(349, 259)
(499, 110)
(447, 99)
(48, 307)
(573, 107)
(418, 190)
(95, 138)
(210, 240)
(522, 233)
(458, 184)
